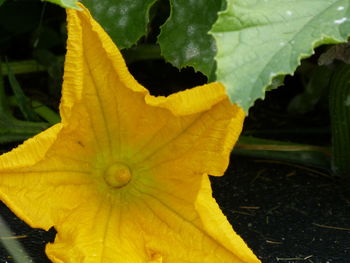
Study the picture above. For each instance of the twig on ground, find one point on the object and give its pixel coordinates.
(332, 227)
(296, 258)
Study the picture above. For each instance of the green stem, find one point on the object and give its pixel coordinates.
(46, 113)
(24, 66)
(339, 107)
(271, 149)
(20, 67)
(137, 53)
(43, 111)
(288, 131)
(13, 130)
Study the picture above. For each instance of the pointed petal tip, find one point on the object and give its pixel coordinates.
(218, 227)
(186, 102)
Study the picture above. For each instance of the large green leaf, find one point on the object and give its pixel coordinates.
(65, 3)
(124, 20)
(1, 2)
(258, 40)
(184, 38)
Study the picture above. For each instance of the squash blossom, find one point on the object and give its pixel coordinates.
(124, 176)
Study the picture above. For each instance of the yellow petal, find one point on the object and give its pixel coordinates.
(107, 91)
(39, 179)
(96, 76)
(124, 178)
(31, 151)
(217, 226)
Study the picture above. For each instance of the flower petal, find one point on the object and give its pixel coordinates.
(109, 92)
(216, 224)
(147, 230)
(44, 169)
(31, 151)
(196, 144)
(96, 76)
(164, 212)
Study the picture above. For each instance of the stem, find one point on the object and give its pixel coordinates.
(339, 107)
(43, 111)
(24, 66)
(271, 149)
(13, 130)
(46, 113)
(20, 67)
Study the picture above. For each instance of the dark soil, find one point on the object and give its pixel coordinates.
(285, 213)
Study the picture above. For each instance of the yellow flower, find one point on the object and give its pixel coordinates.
(124, 176)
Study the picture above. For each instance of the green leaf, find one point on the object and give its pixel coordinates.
(124, 20)
(2, 1)
(65, 3)
(259, 40)
(184, 38)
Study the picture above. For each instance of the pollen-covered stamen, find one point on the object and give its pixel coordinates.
(117, 175)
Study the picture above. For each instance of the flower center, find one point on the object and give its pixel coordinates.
(117, 175)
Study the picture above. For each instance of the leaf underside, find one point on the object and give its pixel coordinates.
(260, 40)
(65, 3)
